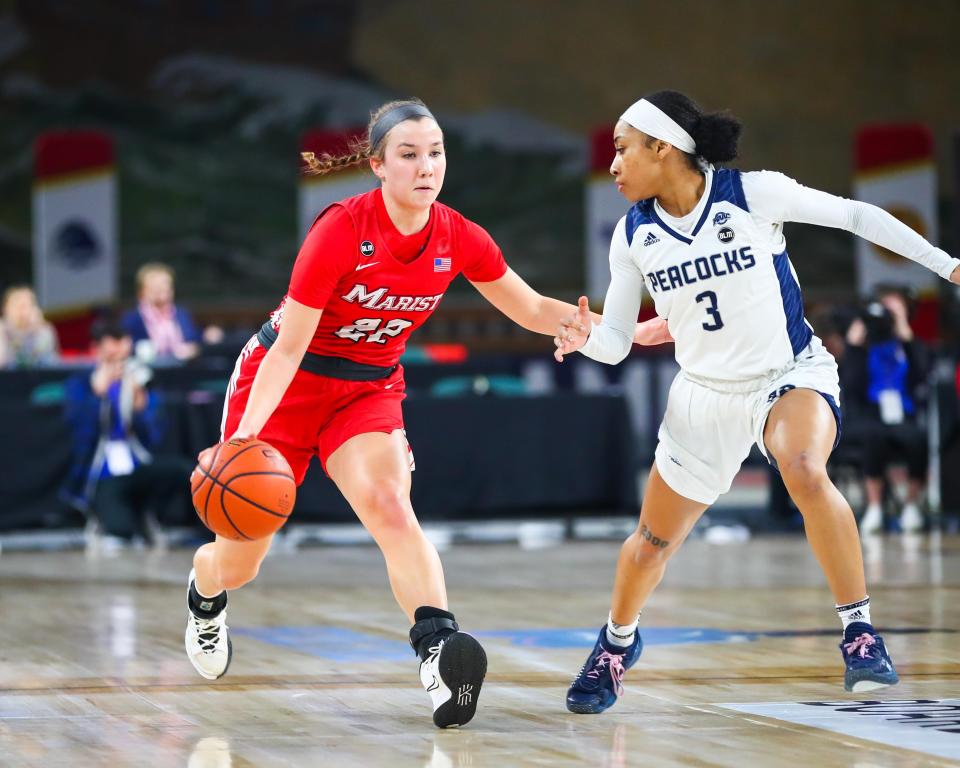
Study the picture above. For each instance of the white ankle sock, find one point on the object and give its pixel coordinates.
(621, 635)
(858, 611)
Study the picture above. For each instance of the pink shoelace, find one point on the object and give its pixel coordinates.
(861, 645)
(615, 661)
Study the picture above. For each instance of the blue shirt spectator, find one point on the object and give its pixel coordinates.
(118, 476)
(114, 419)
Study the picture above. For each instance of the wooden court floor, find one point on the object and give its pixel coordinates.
(741, 665)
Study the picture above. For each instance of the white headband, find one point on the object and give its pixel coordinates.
(653, 121)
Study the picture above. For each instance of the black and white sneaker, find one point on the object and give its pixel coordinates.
(208, 642)
(452, 674)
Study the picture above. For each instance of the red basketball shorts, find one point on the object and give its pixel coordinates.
(317, 414)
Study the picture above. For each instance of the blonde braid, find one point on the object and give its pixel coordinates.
(361, 151)
(327, 163)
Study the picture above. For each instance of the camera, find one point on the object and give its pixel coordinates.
(136, 372)
(878, 321)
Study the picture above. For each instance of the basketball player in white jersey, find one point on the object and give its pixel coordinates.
(708, 244)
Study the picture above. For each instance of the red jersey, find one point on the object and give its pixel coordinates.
(375, 285)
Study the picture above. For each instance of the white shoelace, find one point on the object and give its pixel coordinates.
(434, 652)
(208, 633)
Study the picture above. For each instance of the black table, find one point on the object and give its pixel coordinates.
(478, 457)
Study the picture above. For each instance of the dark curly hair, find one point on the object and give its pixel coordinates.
(716, 134)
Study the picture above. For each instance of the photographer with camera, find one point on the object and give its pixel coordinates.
(116, 421)
(883, 375)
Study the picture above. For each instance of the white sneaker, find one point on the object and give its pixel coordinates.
(872, 520)
(911, 518)
(452, 674)
(207, 642)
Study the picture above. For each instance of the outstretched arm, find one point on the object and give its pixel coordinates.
(541, 314)
(527, 308)
(779, 198)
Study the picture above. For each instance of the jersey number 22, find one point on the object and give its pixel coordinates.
(370, 327)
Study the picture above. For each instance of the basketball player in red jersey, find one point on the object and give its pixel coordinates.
(322, 378)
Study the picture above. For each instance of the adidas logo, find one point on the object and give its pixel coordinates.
(857, 615)
(465, 694)
(651, 239)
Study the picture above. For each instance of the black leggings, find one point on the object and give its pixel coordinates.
(162, 486)
(885, 443)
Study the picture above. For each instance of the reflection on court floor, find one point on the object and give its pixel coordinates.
(741, 665)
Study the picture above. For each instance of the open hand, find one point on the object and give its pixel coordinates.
(573, 331)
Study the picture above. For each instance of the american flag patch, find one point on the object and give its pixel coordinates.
(441, 264)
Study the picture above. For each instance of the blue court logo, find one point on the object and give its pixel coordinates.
(721, 218)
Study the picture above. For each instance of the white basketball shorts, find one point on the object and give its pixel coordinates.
(710, 425)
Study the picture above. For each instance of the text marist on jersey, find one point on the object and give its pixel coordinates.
(382, 299)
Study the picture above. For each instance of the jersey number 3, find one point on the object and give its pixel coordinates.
(716, 322)
(370, 327)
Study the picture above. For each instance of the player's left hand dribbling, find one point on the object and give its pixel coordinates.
(206, 455)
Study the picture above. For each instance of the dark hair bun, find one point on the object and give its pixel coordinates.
(717, 135)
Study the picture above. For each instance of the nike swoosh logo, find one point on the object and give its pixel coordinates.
(364, 266)
(434, 685)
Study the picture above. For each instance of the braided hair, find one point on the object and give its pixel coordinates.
(360, 149)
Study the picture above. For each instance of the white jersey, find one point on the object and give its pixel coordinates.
(721, 276)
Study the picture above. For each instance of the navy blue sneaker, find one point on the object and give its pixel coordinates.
(600, 680)
(868, 664)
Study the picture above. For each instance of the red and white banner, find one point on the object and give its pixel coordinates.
(317, 192)
(895, 171)
(604, 208)
(74, 220)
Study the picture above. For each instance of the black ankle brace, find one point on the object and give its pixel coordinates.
(205, 607)
(431, 624)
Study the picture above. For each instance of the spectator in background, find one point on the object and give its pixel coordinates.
(160, 329)
(883, 373)
(26, 339)
(116, 423)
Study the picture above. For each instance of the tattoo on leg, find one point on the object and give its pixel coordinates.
(654, 540)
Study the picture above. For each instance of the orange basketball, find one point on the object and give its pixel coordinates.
(246, 493)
